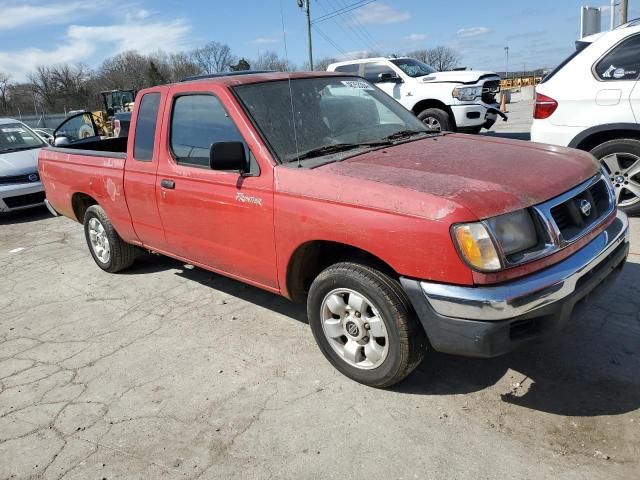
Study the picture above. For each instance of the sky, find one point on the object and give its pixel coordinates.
(539, 33)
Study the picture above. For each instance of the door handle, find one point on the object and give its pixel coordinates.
(170, 184)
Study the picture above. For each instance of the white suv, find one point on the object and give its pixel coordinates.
(460, 100)
(591, 101)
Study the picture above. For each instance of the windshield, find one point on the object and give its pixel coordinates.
(331, 114)
(412, 67)
(15, 136)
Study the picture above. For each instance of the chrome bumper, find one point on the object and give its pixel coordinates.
(535, 291)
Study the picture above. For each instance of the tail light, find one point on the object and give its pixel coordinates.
(116, 128)
(545, 106)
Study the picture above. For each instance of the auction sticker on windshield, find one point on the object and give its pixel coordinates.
(359, 84)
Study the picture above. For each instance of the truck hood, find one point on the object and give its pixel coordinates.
(487, 176)
(462, 76)
(20, 162)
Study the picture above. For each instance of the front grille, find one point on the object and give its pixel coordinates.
(19, 179)
(24, 200)
(576, 215)
(489, 91)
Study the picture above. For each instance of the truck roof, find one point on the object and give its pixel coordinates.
(259, 77)
(365, 60)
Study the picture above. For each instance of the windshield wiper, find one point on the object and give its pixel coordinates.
(404, 134)
(336, 148)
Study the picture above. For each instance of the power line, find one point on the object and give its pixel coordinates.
(348, 8)
(360, 27)
(328, 39)
(353, 34)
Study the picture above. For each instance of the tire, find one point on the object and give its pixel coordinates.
(621, 159)
(470, 130)
(436, 119)
(384, 360)
(120, 255)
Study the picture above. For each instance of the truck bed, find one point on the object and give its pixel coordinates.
(108, 147)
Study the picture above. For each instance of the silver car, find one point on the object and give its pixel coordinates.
(20, 185)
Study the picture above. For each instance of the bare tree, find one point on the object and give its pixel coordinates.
(441, 58)
(213, 57)
(5, 85)
(270, 60)
(181, 66)
(321, 64)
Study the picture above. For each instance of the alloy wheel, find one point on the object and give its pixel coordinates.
(354, 328)
(624, 172)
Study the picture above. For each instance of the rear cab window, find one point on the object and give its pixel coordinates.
(351, 68)
(620, 63)
(146, 122)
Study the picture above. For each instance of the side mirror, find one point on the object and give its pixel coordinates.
(61, 141)
(228, 156)
(388, 78)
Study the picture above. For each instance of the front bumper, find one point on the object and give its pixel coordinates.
(493, 320)
(475, 115)
(21, 195)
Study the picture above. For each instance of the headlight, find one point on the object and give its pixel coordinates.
(467, 93)
(515, 232)
(476, 247)
(477, 242)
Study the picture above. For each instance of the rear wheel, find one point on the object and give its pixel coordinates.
(621, 159)
(108, 250)
(436, 120)
(364, 324)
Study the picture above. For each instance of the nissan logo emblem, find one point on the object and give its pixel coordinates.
(352, 329)
(33, 177)
(585, 207)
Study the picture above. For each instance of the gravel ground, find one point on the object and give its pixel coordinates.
(167, 371)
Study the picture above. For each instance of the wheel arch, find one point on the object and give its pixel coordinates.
(80, 202)
(433, 103)
(594, 136)
(310, 258)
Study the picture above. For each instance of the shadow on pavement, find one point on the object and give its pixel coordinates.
(156, 263)
(24, 216)
(591, 369)
(512, 135)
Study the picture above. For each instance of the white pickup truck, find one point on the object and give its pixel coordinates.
(463, 101)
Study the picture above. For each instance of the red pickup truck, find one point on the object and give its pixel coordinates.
(320, 187)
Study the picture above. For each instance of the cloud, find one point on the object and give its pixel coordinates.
(472, 32)
(380, 13)
(82, 44)
(21, 15)
(415, 37)
(267, 40)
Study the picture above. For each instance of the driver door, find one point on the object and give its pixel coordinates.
(76, 129)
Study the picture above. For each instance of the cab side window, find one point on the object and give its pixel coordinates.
(373, 70)
(146, 127)
(197, 122)
(621, 63)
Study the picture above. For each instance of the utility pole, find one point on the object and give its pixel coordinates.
(624, 11)
(506, 71)
(307, 5)
(613, 14)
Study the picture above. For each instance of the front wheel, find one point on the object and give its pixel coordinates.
(436, 120)
(364, 324)
(621, 159)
